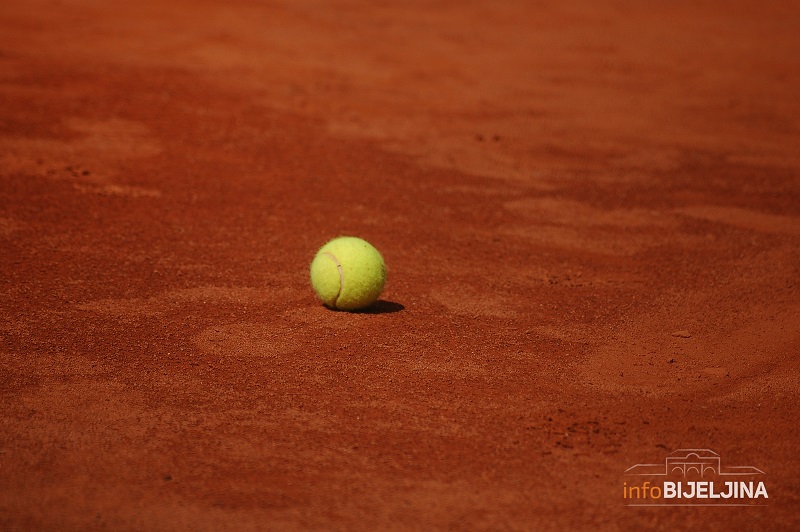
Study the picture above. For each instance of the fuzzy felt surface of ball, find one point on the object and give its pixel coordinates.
(348, 273)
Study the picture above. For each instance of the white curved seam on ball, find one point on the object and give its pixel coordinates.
(341, 276)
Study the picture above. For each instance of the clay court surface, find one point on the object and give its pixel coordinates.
(589, 211)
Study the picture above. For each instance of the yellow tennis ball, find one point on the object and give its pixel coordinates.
(348, 273)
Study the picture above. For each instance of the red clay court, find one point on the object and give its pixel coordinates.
(590, 216)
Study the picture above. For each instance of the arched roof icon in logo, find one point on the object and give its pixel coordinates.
(692, 461)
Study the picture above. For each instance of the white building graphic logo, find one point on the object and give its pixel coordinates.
(694, 477)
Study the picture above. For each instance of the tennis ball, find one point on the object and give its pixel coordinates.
(348, 273)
